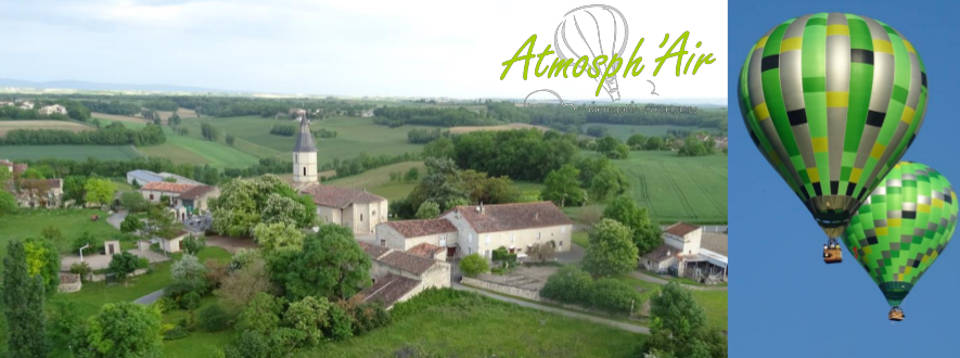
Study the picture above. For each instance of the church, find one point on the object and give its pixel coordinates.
(355, 209)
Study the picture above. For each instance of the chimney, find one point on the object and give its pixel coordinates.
(482, 211)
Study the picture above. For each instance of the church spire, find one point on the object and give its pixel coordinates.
(305, 138)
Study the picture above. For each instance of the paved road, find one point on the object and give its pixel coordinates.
(644, 277)
(608, 322)
(150, 297)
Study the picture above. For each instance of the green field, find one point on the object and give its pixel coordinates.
(185, 149)
(68, 151)
(624, 131)
(377, 180)
(676, 188)
(71, 222)
(478, 326)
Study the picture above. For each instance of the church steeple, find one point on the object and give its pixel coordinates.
(304, 153)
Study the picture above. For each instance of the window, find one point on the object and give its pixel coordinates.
(151, 196)
(304, 171)
(361, 217)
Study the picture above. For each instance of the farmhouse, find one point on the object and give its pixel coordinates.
(32, 193)
(196, 199)
(355, 209)
(465, 230)
(155, 191)
(398, 275)
(52, 109)
(687, 251)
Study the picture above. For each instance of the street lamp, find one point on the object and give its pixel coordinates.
(81, 251)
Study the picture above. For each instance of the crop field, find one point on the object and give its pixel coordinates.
(675, 188)
(6, 126)
(624, 131)
(68, 151)
(502, 127)
(118, 118)
(377, 180)
(185, 149)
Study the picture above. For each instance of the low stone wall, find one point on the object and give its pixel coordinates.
(96, 277)
(69, 282)
(504, 289)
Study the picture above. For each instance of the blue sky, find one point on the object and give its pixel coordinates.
(431, 48)
(784, 301)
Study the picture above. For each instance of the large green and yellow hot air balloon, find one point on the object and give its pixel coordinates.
(832, 101)
(901, 228)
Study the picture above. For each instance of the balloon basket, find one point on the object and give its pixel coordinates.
(896, 314)
(832, 254)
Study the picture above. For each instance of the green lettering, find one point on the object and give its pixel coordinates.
(612, 69)
(529, 44)
(546, 52)
(682, 41)
(634, 62)
(586, 63)
(559, 65)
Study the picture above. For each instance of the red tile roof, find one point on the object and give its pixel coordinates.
(426, 250)
(388, 289)
(40, 184)
(407, 262)
(167, 187)
(372, 250)
(336, 197)
(681, 228)
(416, 228)
(196, 192)
(516, 216)
(19, 168)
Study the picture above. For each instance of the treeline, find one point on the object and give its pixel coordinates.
(75, 111)
(113, 107)
(364, 162)
(114, 134)
(430, 116)
(424, 135)
(286, 130)
(323, 133)
(117, 169)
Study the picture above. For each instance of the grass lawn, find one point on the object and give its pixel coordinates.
(478, 326)
(71, 222)
(68, 151)
(377, 180)
(714, 303)
(581, 238)
(673, 188)
(216, 154)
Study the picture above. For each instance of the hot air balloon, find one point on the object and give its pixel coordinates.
(832, 101)
(901, 228)
(593, 30)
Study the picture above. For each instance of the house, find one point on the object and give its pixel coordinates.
(688, 251)
(429, 251)
(154, 191)
(355, 209)
(398, 275)
(195, 199)
(25, 105)
(37, 193)
(52, 109)
(465, 230)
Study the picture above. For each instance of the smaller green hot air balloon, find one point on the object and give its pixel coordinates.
(901, 228)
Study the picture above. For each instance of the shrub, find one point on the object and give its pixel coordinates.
(190, 300)
(178, 291)
(570, 284)
(255, 344)
(85, 238)
(175, 332)
(81, 268)
(341, 324)
(192, 244)
(504, 257)
(473, 265)
(614, 296)
(212, 318)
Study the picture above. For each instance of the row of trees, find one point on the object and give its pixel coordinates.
(425, 135)
(286, 130)
(114, 134)
(429, 116)
(588, 178)
(445, 186)
(519, 154)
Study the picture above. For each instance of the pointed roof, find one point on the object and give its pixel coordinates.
(305, 139)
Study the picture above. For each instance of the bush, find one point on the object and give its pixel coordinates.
(614, 296)
(85, 238)
(179, 290)
(570, 284)
(81, 268)
(190, 300)
(193, 244)
(254, 344)
(212, 318)
(175, 332)
(473, 265)
(504, 257)
(341, 324)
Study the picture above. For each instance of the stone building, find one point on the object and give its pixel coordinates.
(398, 276)
(689, 251)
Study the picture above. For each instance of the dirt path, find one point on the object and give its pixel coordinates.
(607, 322)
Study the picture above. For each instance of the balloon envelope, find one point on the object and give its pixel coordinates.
(902, 227)
(832, 101)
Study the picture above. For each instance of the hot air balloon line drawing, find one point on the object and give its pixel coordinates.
(832, 101)
(901, 229)
(549, 91)
(593, 30)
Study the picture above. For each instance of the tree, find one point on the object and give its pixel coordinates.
(636, 141)
(412, 175)
(8, 204)
(243, 284)
(262, 314)
(278, 236)
(439, 148)
(99, 191)
(281, 209)
(23, 298)
(611, 249)
(609, 181)
(646, 234)
(442, 185)
(188, 269)
(193, 244)
(654, 143)
(330, 265)
(131, 224)
(473, 265)
(612, 148)
(428, 210)
(679, 324)
(209, 132)
(230, 139)
(569, 284)
(243, 204)
(693, 146)
(310, 316)
(73, 188)
(563, 188)
(124, 329)
(124, 264)
(212, 318)
(43, 260)
(134, 202)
